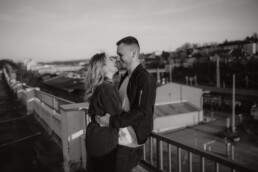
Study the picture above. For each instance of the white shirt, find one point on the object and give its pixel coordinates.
(126, 136)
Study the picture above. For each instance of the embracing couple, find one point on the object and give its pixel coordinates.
(121, 118)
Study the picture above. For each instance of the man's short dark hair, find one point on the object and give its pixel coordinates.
(129, 40)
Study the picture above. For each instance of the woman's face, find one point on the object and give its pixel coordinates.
(110, 67)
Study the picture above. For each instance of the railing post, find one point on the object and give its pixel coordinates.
(151, 151)
(232, 152)
(202, 164)
(216, 167)
(159, 154)
(83, 148)
(144, 152)
(179, 161)
(169, 158)
(228, 149)
(190, 159)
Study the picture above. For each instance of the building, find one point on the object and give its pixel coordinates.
(177, 106)
(250, 47)
(30, 64)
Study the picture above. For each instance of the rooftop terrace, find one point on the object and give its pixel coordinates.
(66, 121)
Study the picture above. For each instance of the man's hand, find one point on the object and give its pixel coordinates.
(103, 120)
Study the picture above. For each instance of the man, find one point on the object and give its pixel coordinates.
(137, 90)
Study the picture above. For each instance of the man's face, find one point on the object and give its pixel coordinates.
(125, 55)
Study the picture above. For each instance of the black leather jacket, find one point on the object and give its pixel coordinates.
(141, 93)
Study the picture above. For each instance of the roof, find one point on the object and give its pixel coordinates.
(173, 109)
(64, 83)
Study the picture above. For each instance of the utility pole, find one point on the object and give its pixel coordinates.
(246, 79)
(158, 75)
(233, 104)
(170, 70)
(218, 72)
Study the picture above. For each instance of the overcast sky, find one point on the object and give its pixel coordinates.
(49, 30)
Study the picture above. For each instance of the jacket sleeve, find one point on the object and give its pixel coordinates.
(143, 105)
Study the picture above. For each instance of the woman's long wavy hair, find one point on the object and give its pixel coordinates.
(94, 75)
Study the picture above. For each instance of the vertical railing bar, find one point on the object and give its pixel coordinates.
(202, 164)
(53, 103)
(151, 151)
(216, 167)
(179, 166)
(144, 152)
(161, 154)
(169, 158)
(190, 160)
(158, 153)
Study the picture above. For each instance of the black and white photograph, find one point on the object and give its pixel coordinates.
(128, 86)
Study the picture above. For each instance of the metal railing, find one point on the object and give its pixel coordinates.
(168, 155)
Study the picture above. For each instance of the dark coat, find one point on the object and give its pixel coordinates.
(101, 141)
(141, 92)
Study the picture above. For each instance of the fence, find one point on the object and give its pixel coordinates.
(169, 155)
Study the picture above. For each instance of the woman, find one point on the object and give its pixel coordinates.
(103, 96)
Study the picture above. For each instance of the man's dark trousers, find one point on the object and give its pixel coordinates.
(127, 158)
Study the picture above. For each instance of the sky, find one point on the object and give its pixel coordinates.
(56, 30)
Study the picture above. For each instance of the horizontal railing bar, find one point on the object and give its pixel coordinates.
(58, 98)
(208, 155)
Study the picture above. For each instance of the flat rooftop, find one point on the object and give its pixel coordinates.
(173, 109)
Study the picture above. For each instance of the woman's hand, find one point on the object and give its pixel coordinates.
(103, 120)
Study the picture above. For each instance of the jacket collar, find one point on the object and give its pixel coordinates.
(136, 70)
